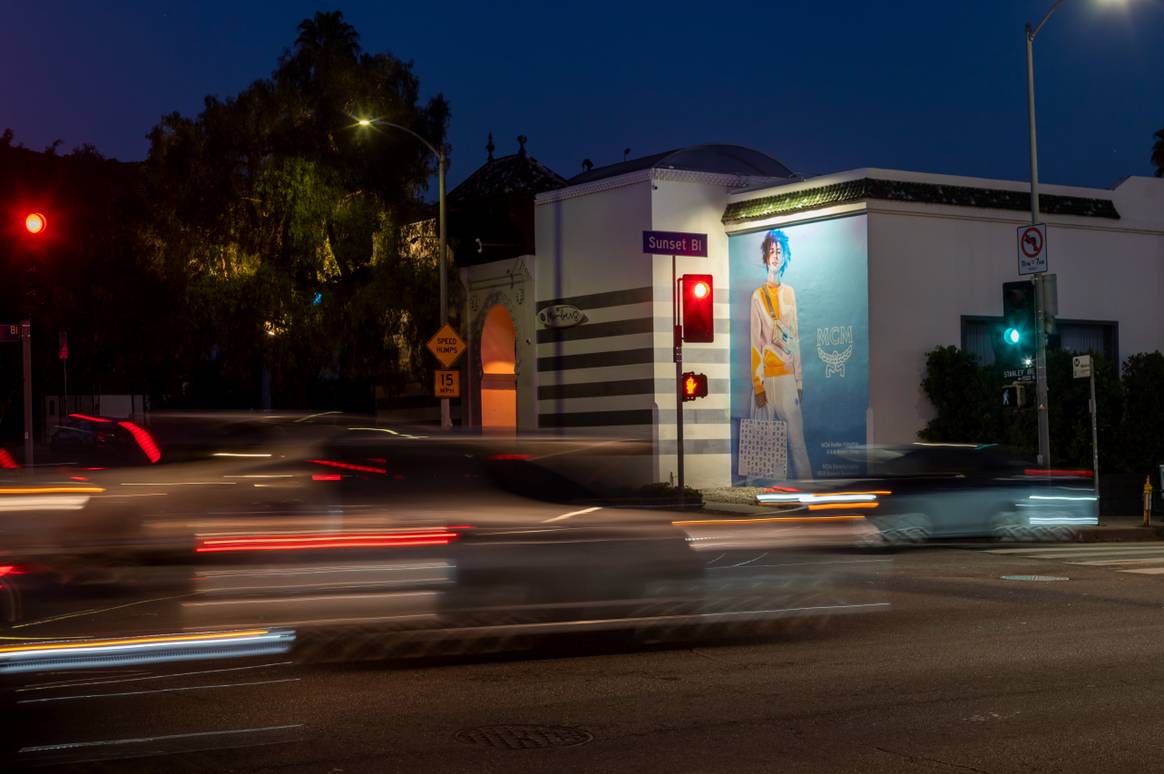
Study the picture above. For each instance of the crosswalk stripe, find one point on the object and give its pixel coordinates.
(1090, 548)
(1120, 558)
(1084, 553)
(1112, 562)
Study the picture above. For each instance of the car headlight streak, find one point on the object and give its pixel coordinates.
(818, 499)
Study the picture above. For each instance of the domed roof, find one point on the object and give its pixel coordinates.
(516, 173)
(721, 159)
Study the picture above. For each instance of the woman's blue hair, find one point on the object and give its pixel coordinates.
(776, 236)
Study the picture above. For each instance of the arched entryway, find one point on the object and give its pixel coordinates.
(498, 372)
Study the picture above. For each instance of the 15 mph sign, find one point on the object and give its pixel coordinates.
(1032, 248)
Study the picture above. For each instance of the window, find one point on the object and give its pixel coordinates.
(1076, 336)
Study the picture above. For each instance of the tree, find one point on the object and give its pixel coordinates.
(277, 219)
(961, 392)
(966, 398)
(1143, 427)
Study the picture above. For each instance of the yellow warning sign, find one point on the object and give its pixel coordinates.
(447, 384)
(446, 345)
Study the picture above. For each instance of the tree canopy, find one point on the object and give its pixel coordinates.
(276, 220)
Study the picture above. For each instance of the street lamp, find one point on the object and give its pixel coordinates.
(1040, 306)
(442, 167)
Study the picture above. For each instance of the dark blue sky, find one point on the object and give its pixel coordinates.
(934, 85)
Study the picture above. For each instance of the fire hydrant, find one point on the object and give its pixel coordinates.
(1147, 500)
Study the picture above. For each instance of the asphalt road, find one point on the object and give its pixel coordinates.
(965, 672)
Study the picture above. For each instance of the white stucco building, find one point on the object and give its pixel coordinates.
(584, 344)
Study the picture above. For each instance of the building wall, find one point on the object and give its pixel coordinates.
(594, 378)
(692, 202)
(614, 375)
(930, 266)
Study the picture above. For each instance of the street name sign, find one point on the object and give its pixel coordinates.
(1019, 374)
(1081, 366)
(1032, 248)
(9, 332)
(446, 346)
(447, 384)
(675, 243)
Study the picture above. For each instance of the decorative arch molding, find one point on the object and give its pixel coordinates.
(477, 328)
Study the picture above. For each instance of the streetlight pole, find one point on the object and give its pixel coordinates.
(442, 168)
(1041, 398)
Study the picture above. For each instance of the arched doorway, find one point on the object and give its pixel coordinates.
(498, 372)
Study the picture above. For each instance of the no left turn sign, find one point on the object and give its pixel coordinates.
(1032, 248)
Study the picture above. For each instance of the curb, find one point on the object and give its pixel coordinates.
(1121, 534)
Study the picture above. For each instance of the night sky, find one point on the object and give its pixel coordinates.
(934, 85)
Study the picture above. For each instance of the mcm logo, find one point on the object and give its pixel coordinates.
(828, 348)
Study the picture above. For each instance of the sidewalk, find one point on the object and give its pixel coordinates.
(1121, 528)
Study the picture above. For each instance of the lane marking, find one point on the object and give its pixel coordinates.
(749, 561)
(96, 611)
(156, 690)
(146, 739)
(573, 513)
(1147, 571)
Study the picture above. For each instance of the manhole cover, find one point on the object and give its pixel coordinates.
(521, 737)
(1037, 578)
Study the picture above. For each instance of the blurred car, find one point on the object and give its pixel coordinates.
(102, 441)
(918, 491)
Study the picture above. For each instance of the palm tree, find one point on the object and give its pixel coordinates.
(322, 40)
(1158, 153)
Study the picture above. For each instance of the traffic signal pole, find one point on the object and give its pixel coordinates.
(26, 358)
(678, 334)
(1040, 308)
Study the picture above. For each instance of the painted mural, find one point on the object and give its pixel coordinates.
(799, 349)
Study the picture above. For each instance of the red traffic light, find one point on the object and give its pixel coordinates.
(694, 386)
(35, 222)
(698, 311)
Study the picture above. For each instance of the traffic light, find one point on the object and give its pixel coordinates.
(698, 308)
(35, 223)
(694, 386)
(1019, 326)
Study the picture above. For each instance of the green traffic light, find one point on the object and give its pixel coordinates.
(1011, 336)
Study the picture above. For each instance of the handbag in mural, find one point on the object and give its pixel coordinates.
(763, 449)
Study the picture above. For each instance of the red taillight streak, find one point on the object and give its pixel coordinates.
(88, 418)
(281, 545)
(1041, 472)
(519, 457)
(320, 538)
(326, 476)
(781, 489)
(9, 569)
(6, 461)
(349, 466)
(144, 440)
(78, 478)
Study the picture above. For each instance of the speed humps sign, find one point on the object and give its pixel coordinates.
(446, 345)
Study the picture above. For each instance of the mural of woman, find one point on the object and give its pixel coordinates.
(777, 377)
